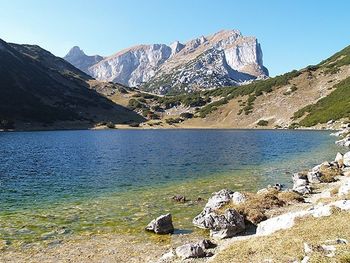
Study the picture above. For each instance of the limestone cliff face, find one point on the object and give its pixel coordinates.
(221, 59)
(132, 66)
(80, 60)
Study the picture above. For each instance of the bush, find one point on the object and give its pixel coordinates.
(263, 123)
(172, 121)
(293, 126)
(135, 104)
(110, 125)
(186, 115)
(134, 124)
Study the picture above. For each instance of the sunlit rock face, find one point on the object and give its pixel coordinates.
(132, 66)
(224, 58)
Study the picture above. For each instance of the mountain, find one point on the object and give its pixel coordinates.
(310, 97)
(132, 66)
(77, 57)
(38, 88)
(222, 59)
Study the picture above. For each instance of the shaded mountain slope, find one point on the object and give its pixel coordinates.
(36, 86)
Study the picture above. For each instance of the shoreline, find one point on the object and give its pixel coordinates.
(160, 250)
(126, 127)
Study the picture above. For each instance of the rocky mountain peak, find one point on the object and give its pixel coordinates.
(79, 59)
(224, 58)
(176, 47)
(75, 52)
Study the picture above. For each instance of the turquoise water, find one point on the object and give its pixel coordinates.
(62, 183)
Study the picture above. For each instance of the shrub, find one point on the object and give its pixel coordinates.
(110, 125)
(134, 124)
(171, 121)
(293, 126)
(135, 104)
(263, 123)
(186, 115)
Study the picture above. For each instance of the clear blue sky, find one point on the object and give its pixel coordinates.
(293, 34)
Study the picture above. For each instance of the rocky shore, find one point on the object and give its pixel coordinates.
(231, 217)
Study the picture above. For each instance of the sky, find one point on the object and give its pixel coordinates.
(292, 34)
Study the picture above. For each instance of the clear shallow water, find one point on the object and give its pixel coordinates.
(61, 183)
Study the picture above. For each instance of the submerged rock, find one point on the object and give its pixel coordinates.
(161, 225)
(179, 198)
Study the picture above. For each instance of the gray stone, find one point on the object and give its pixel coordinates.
(238, 198)
(346, 159)
(221, 225)
(314, 177)
(307, 248)
(227, 225)
(344, 188)
(161, 225)
(304, 189)
(329, 250)
(206, 244)
(190, 251)
(339, 159)
(338, 241)
(306, 259)
(219, 199)
(297, 176)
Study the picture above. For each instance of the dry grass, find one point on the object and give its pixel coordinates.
(335, 190)
(329, 174)
(255, 207)
(290, 197)
(287, 245)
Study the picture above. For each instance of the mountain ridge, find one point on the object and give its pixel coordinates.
(38, 87)
(233, 59)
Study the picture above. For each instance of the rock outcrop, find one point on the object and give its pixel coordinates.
(287, 220)
(225, 224)
(132, 66)
(221, 59)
